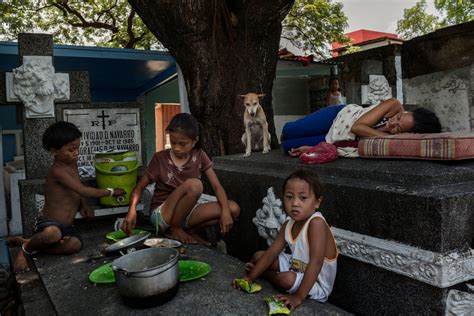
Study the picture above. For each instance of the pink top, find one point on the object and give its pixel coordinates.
(167, 176)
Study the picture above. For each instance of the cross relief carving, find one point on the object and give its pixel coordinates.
(37, 86)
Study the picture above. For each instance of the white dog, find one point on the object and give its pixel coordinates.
(256, 134)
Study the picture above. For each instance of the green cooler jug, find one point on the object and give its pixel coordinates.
(116, 169)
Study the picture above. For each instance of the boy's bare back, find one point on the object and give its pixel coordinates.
(62, 203)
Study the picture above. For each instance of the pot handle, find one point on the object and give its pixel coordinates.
(124, 271)
(127, 273)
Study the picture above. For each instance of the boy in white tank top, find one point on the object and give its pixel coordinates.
(308, 269)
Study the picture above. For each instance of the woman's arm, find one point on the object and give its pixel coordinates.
(131, 218)
(226, 218)
(363, 126)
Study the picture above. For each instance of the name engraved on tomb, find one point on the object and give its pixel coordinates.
(106, 129)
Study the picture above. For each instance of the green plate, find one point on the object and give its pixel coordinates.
(191, 270)
(120, 234)
(188, 270)
(103, 274)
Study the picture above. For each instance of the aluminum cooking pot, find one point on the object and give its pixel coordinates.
(147, 277)
(125, 244)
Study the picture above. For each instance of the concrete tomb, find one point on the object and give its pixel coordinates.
(53, 97)
(404, 229)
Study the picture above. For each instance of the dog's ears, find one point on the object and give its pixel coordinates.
(259, 95)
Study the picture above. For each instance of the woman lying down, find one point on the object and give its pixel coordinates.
(340, 123)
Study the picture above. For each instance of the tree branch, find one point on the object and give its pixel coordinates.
(131, 37)
(63, 6)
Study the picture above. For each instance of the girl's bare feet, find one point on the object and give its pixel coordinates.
(181, 235)
(199, 239)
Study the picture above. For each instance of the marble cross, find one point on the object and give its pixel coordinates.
(36, 85)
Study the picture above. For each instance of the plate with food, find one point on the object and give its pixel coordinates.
(162, 242)
(120, 234)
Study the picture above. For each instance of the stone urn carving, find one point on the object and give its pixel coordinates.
(270, 217)
(377, 91)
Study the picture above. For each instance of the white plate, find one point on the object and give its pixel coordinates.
(162, 242)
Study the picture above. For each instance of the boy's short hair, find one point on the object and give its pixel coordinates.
(308, 176)
(59, 134)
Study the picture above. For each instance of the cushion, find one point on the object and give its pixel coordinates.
(439, 146)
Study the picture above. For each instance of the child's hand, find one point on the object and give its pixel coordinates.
(296, 152)
(226, 222)
(290, 300)
(87, 212)
(249, 267)
(119, 192)
(129, 223)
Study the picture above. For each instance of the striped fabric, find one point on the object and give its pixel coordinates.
(441, 146)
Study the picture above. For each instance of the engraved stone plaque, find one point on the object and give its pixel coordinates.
(106, 129)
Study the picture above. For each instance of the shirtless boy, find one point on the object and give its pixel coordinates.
(65, 195)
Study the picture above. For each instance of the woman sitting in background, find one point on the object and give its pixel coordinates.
(339, 122)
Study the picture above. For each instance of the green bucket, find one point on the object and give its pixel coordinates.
(116, 169)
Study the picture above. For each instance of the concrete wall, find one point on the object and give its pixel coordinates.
(433, 71)
(438, 74)
(356, 68)
(447, 93)
(290, 100)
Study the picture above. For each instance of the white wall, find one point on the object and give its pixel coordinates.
(447, 93)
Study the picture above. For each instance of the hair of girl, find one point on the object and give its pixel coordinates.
(188, 125)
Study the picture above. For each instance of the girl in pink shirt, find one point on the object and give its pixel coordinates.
(175, 207)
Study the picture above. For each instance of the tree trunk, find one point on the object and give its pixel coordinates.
(220, 57)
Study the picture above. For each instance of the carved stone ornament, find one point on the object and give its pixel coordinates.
(437, 269)
(440, 270)
(270, 217)
(36, 85)
(377, 91)
(460, 303)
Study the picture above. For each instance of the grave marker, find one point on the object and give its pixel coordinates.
(106, 129)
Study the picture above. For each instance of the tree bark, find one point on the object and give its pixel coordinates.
(220, 59)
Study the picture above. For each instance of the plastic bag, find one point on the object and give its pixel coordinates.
(321, 153)
(248, 287)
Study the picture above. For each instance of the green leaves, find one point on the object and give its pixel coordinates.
(314, 24)
(108, 23)
(416, 22)
(456, 11)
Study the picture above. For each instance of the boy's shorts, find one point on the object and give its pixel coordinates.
(42, 222)
(316, 292)
(162, 226)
